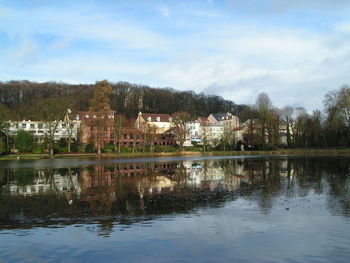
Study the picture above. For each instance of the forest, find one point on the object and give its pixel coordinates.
(128, 99)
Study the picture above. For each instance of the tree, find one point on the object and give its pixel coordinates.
(337, 107)
(69, 128)
(119, 125)
(263, 106)
(287, 115)
(100, 108)
(24, 141)
(51, 111)
(300, 129)
(5, 115)
(179, 121)
(150, 135)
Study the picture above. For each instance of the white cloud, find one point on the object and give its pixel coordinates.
(164, 10)
(234, 58)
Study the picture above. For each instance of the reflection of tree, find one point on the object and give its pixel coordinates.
(131, 192)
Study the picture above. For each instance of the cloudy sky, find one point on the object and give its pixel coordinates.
(295, 51)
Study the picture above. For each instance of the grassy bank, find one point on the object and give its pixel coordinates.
(309, 152)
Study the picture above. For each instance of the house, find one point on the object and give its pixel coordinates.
(194, 133)
(227, 119)
(159, 122)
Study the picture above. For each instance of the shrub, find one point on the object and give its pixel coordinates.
(269, 147)
(38, 149)
(89, 148)
(24, 141)
(163, 148)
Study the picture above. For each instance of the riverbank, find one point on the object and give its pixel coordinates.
(307, 152)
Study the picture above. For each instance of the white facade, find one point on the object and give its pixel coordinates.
(194, 133)
(41, 129)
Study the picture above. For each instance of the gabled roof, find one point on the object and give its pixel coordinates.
(222, 116)
(203, 119)
(156, 117)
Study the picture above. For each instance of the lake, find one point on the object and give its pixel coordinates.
(186, 209)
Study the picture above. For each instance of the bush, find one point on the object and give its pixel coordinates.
(24, 141)
(80, 148)
(269, 147)
(38, 149)
(89, 148)
(125, 149)
(193, 149)
(109, 148)
(162, 148)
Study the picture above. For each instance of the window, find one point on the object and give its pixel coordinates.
(149, 119)
(64, 125)
(40, 125)
(24, 125)
(32, 126)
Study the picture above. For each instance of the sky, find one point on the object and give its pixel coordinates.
(296, 51)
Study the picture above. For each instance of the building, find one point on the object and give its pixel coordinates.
(97, 128)
(41, 130)
(227, 119)
(194, 133)
(160, 122)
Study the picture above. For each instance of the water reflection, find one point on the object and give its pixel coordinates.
(127, 193)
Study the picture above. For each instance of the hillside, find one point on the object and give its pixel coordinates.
(128, 99)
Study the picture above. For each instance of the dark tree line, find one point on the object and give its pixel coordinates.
(127, 99)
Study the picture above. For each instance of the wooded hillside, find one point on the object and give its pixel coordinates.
(128, 99)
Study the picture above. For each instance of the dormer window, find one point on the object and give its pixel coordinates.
(94, 116)
(170, 119)
(24, 125)
(158, 118)
(86, 116)
(77, 117)
(149, 119)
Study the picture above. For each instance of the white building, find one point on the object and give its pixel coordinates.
(160, 122)
(194, 133)
(41, 129)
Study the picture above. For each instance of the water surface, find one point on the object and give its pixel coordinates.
(190, 209)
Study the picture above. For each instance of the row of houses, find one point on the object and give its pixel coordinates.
(102, 128)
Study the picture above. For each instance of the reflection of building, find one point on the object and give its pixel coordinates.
(213, 174)
(43, 183)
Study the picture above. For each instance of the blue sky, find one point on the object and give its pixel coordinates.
(295, 51)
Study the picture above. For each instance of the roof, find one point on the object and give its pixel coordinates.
(238, 129)
(203, 119)
(156, 117)
(222, 116)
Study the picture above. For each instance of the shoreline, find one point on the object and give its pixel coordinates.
(306, 152)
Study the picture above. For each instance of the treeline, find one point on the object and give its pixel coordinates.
(329, 127)
(127, 99)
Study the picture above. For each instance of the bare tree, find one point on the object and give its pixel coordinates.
(179, 121)
(287, 115)
(51, 111)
